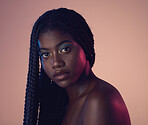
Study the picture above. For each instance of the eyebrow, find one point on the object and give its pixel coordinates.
(65, 41)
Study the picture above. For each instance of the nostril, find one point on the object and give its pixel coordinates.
(57, 63)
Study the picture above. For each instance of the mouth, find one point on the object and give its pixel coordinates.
(60, 75)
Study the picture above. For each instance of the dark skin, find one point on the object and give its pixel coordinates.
(92, 101)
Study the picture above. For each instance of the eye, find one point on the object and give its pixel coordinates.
(64, 49)
(45, 55)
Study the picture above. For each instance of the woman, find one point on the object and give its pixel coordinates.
(64, 89)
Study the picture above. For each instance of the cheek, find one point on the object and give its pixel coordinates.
(82, 58)
(79, 62)
(46, 68)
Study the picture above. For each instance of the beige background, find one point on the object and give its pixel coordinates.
(120, 29)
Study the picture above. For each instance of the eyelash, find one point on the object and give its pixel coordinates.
(46, 55)
(67, 51)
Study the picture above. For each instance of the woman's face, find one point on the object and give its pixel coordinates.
(62, 58)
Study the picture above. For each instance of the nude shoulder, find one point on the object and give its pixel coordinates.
(104, 105)
(103, 92)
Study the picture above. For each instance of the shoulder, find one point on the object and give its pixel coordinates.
(105, 106)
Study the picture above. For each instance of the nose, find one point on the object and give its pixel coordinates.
(57, 61)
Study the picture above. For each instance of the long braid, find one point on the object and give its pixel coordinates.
(53, 101)
(31, 98)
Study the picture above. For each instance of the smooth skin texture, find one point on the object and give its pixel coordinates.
(92, 101)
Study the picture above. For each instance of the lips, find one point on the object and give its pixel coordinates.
(61, 75)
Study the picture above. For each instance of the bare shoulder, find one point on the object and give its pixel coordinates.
(104, 106)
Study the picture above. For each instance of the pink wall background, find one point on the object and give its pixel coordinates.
(120, 29)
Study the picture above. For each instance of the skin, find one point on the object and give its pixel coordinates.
(92, 101)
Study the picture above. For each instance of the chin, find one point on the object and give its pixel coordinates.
(64, 83)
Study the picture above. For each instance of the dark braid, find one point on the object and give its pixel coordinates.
(31, 99)
(52, 98)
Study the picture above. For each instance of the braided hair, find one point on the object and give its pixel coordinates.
(45, 103)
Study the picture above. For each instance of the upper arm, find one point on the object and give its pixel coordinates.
(105, 110)
(94, 111)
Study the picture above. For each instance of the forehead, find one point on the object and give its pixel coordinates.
(54, 37)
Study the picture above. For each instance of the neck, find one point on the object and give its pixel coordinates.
(81, 87)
